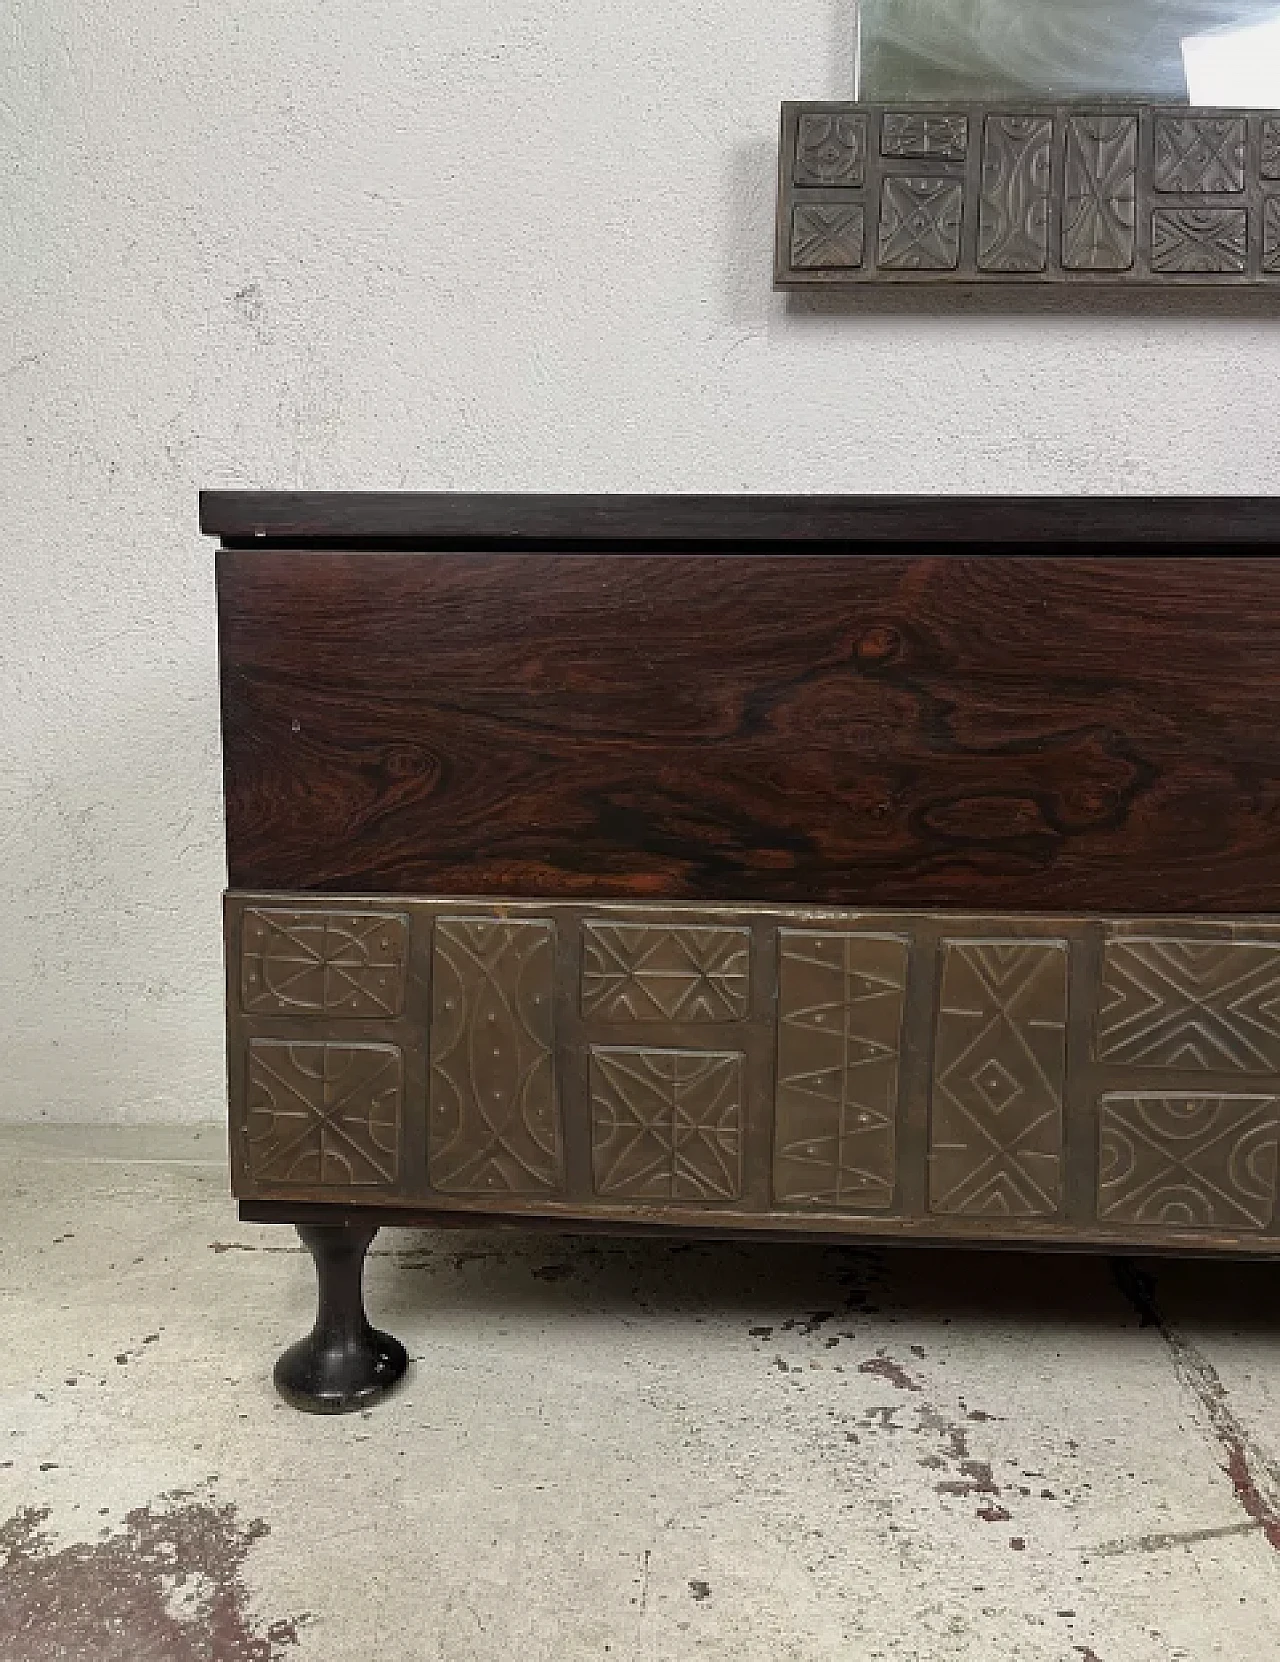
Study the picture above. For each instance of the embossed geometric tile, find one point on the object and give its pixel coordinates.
(1270, 159)
(920, 133)
(1013, 213)
(825, 237)
(1099, 193)
(1199, 153)
(323, 1113)
(323, 963)
(1193, 1005)
(493, 1125)
(666, 1124)
(1271, 233)
(831, 149)
(664, 972)
(840, 1002)
(1188, 1162)
(999, 1070)
(920, 223)
(1199, 239)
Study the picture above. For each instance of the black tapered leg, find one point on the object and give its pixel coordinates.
(343, 1363)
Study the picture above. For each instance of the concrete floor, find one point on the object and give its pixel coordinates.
(648, 1452)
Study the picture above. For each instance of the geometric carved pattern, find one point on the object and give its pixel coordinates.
(999, 1074)
(323, 1114)
(920, 224)
(1197, 1006)
(840, 1004)
(659, 972)
(923, 1073)
(1199, 239)
(1200, 1162)
(1013, 221)
(829, 238)
(1105, 193)
(323, 963)
(666, 1124)
(831, 150)
(924, 134)
(1270, 161)
(1271, 234)
(494, 1124)
(1200, 154)
(1099, 193)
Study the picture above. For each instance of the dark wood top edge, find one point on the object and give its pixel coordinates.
(403, 519)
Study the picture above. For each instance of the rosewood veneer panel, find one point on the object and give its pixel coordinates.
(1095, 734)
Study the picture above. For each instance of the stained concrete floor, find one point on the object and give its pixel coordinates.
(637, 1451)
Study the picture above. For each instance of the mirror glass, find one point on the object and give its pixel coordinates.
(1224, 52)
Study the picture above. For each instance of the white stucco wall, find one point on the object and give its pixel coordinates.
(435, 244)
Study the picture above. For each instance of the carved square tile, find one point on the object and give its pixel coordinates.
(1188, 1162)
(827, 238)
(920, 133)
(1199, 239)
(1195, 1006)
(639, 972)
(1271, 233)
(324, 1114)
(831, 149)
(323, 963)
(1199, 153)
(666, 1124)
(995, 1146)
(493, 1123)
(1270, 161)
(920, 224)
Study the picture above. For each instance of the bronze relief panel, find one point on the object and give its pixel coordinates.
(929, 1073)
(310, 963)
(666, 1124)
(1071, 194)
(1190, 1005)
(1195, 1162)
(996, 1130)
(324, 1114)
(493, 1122)
(840, 1004)
(664, 973)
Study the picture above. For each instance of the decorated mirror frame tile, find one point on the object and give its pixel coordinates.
(1126, 194)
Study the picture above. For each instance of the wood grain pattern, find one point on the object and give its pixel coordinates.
(1083, 733)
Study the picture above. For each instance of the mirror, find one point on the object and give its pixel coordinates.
(1209, 52)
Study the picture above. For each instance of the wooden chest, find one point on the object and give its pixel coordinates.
(882, 868)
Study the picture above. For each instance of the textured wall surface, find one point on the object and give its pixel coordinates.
(518, 245)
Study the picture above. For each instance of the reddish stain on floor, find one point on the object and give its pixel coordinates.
(167, 1586)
